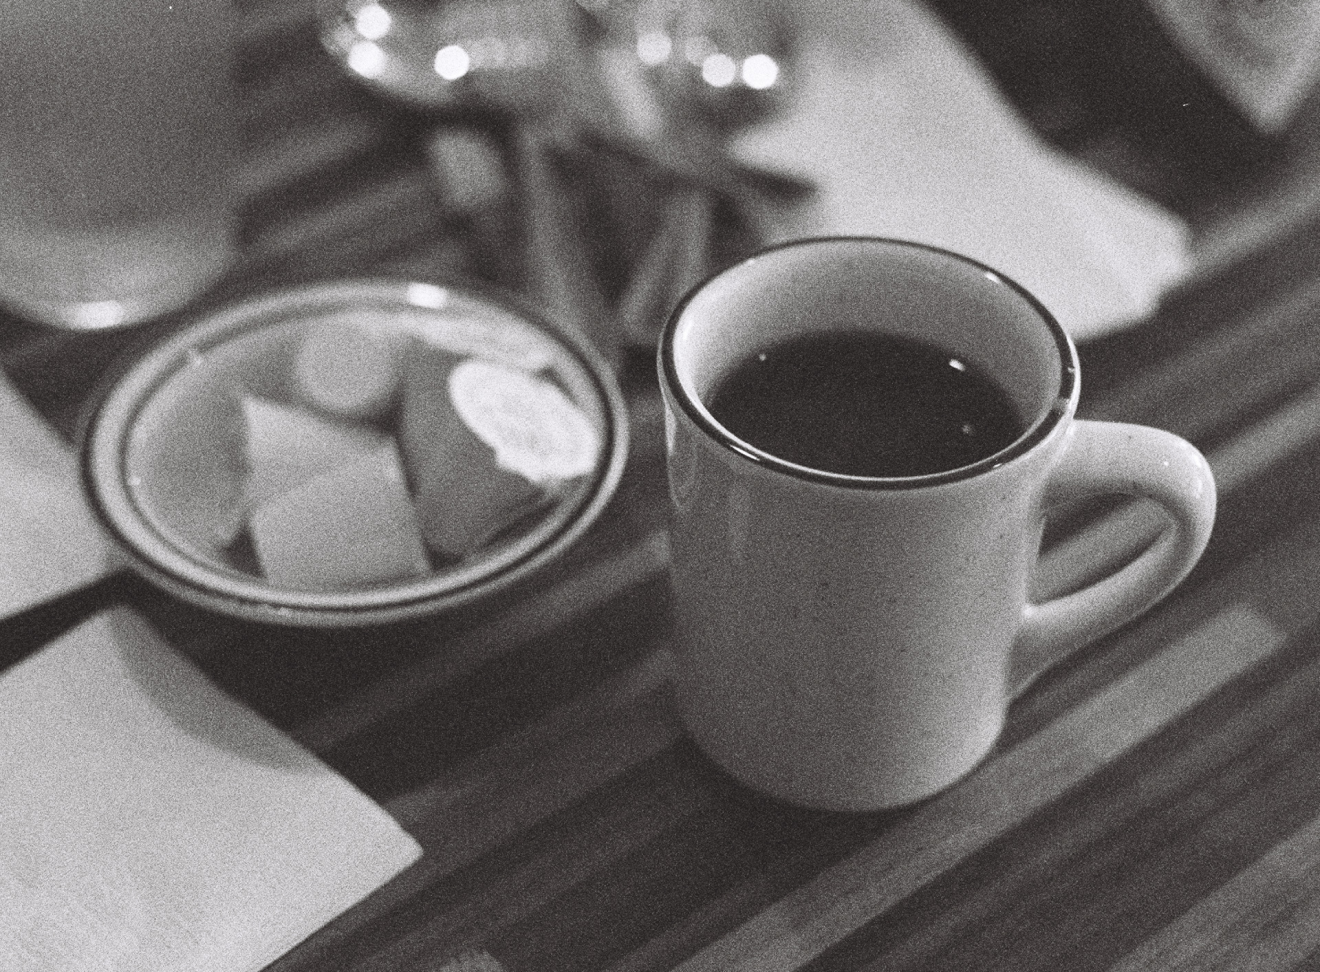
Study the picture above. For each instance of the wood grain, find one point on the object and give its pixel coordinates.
(1266, 919)
(995, 799)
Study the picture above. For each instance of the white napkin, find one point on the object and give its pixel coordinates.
(906, 136)
(149, 823)
(49, 543)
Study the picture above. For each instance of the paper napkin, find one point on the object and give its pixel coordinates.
(906, 136)
(150, 823)
(49, 543)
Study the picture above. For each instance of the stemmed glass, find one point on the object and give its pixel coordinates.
(661, 82)
(648, 77)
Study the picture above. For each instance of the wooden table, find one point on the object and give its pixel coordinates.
(1153, 805)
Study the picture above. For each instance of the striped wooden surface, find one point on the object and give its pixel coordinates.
(1154, 803)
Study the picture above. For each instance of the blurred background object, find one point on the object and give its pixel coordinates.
(1076, 149)
(711, 63)
(907, 136)
(1122, 86)
(563, 129)
(1264, 55)
(491, 54)
(1158, 96)
(118, 132)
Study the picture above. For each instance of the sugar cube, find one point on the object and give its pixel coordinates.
(348, 367)
(286, 446)
(464, 497)
(347, 528)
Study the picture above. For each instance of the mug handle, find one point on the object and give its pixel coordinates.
(1133, 460)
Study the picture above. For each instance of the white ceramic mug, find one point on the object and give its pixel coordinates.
(845, 642)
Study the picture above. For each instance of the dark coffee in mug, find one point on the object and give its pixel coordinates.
(864, 403)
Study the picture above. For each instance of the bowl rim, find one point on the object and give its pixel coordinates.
(106, 432)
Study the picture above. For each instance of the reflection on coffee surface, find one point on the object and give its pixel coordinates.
(865, 404)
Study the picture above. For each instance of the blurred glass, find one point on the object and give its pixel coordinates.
(725, 63)
(506, 55)
(117, 134)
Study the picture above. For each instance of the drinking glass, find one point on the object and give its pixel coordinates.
(117, 135)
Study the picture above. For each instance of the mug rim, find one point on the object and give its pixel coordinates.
(1060, 406)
